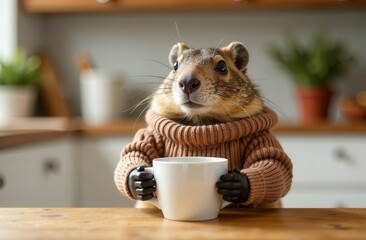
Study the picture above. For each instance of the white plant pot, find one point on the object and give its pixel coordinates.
(16, 101)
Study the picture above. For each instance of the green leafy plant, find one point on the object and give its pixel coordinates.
(20, 70)
(318, 64)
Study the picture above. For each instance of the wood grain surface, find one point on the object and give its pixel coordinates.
(59, 6)
(39, 129)
(130, 223)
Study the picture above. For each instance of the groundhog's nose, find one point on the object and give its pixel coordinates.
(189, 84)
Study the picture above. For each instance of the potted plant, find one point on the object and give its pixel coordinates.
(19, 79)
(314, 68)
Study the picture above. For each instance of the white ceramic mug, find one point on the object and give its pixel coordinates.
(185, 187)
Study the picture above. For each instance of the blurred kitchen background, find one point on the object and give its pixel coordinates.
(57, 158)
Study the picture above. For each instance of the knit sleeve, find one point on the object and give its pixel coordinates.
(146, 146)
(268, 168)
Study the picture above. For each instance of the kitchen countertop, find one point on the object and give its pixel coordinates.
(130, 223)
(131, 126)
(20, 137)
(21, 131)
(31, 130)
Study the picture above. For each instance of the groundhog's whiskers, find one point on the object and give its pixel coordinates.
(218, 102)
(275, 106)
(166, 86)
(150, 76)
(148, 100)
(177, 29)
(143, 111)
(161, 63)
(221, 40)
(217, 46)
(239, 106)
(149, 97)
(134, 107)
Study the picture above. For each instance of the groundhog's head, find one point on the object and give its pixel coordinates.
(207, 86)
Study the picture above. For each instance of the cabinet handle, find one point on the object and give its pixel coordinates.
(342, 156)
(103, 1)
(2, 182)
(51, 166)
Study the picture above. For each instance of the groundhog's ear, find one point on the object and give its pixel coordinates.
(238, 53)
(175, 52)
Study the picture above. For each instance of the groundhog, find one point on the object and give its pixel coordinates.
(208, 106)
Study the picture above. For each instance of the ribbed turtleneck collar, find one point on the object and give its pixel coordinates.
(211, 134)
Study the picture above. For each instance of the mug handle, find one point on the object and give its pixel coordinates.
(154, 200)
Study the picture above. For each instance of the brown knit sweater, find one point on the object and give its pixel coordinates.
(247, 143)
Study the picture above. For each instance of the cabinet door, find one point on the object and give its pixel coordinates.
(327, 160)
(329, 171)
(38, 175)
(325, 198)
(99, 158)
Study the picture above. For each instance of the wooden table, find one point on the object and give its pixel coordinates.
(129, 223)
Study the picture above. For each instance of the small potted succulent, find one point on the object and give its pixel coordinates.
(314, 69)
(19, 79)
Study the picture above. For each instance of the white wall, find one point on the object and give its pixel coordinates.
(124, 42)
(30, 32)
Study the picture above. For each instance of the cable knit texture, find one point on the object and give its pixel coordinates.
(247, 144)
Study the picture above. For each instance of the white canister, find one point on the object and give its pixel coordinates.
(101, 96)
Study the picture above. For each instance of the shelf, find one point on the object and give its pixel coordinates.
(18, 138)
(131, 126)
(41, 129)
(72, 6)
(321, 128)
(20, 131)
(123, 127)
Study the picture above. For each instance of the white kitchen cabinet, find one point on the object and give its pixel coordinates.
(38, 175)
(99, 158)
(329, 170)
(71, 172)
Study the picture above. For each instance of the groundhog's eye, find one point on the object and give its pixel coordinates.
(175, 66)
(221, 67)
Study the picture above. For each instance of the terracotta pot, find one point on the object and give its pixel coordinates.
(313, 104)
